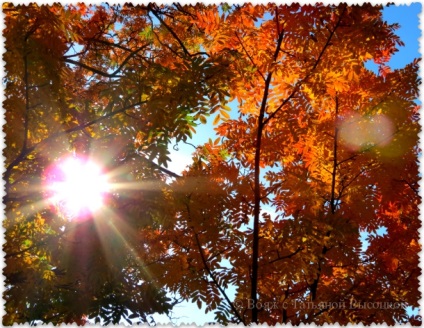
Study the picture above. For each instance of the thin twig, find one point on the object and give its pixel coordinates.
(155, 12)
(301, 82)
(250, 57)
(109, 75)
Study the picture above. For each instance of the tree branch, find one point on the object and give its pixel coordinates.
(181, 9)
(300, 83)
(250, 57)
(415, 190)
(27, 107)
(155, 12)
(334, 173)
(257, 188)
(109, 75)
(205, 264)
(166, 171)
(40, 243)
(279, 258)
(53, 136)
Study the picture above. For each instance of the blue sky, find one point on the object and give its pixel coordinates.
(409, 32)
(407, 17)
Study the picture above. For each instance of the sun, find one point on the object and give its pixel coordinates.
(77, 187)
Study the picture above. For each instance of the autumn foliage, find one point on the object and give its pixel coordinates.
(313, 154)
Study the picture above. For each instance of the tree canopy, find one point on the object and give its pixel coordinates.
(318, 152)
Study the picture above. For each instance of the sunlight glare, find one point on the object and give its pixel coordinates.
(79, 187)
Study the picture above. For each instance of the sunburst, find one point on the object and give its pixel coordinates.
(77, 186)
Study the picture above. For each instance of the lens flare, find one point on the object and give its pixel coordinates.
(77, 187)
(357, 132)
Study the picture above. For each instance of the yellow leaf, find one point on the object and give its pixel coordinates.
(224, 114)
(48, 274)
(202, 119)
(216, 120)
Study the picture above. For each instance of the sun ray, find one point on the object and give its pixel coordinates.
(120, 230)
